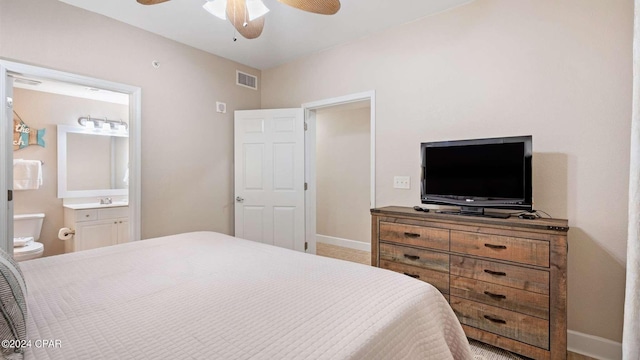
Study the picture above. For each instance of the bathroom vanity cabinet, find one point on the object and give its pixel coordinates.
(96, 227)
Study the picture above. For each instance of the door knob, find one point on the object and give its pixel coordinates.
(239, 199)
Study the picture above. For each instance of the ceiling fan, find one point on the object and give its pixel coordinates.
(247, 16)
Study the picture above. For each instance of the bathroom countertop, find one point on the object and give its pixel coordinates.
(95, 205)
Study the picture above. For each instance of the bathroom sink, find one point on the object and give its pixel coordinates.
(96, 205)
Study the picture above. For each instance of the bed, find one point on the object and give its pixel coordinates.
(206, 295)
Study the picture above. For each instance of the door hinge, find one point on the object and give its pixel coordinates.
(10, 195)
(306, 186)
(306, 127)
(10, 103)
(306, 246)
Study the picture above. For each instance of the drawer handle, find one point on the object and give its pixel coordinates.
(411, 235)
(415, 276)
(495, 296)
(491, 246)
(497, 273)
(412, 257)
(495, 320)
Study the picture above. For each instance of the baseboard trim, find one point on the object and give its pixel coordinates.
(593, 346)
(351, 244)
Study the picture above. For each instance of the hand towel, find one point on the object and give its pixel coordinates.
(22, 241)
(27, 174)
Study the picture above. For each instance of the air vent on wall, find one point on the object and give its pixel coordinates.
(246, 80)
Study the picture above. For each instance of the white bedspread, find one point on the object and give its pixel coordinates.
(206, 295)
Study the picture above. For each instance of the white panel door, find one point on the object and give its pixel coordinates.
(6, 161)
(269, 177)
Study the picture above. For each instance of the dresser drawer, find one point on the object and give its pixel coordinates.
(501, 274)
(436, 278)
(417, 257)
(521, 301)
(510, 324)
(427, 237)
(526, 251)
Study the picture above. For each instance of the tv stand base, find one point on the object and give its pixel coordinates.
(469, 211)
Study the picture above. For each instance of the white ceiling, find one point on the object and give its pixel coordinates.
(288, 33)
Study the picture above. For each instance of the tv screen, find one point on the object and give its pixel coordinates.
(492, 173)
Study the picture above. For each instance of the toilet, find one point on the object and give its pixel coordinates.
(26, 229)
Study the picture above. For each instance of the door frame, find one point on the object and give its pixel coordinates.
(6, 154)
(135, 124)
(310, 156)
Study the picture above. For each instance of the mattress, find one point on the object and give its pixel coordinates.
(206, 295)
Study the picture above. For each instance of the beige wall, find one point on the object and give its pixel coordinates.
(187, 152)
(343, 173)
(41, 110)
(558, 70)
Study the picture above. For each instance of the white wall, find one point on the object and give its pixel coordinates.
(558, 70)
(343, 173)
(187, 151)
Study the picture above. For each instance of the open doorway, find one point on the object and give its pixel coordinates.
(27, 97)
(340, 169)
(343, 222)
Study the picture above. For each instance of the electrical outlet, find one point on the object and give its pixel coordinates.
(402, 182)
(221, 107)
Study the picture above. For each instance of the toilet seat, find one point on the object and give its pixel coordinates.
(31, 251)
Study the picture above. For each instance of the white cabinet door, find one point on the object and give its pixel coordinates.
(95, 234)
(123, 231)
(269, 176)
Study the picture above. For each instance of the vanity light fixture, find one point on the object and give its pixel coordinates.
(103, 124)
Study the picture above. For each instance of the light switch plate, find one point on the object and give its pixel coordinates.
(402, 182)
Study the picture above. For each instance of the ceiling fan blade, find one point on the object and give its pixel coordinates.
(324, 7)
(151, 2)
(237, 15)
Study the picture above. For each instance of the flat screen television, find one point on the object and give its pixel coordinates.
(477, 174)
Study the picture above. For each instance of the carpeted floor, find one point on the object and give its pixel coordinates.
(339, 252)
(482, 351)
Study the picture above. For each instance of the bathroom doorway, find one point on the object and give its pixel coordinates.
(48, 99)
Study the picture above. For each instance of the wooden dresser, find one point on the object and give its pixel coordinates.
(505, 279)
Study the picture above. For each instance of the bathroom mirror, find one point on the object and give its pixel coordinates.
(92, 162)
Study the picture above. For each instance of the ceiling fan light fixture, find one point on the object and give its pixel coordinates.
(238, 14)
(217, 8)
(256, 8)
(323, 7)
(151, 2)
